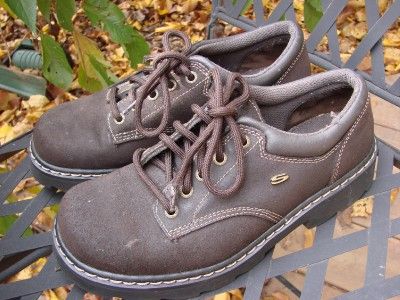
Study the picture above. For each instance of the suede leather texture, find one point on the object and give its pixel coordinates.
(115, 223)
(82, 134)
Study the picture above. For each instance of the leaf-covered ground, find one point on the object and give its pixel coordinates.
(152, 18)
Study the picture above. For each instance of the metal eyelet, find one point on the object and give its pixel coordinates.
(174, 85)
(118, 122)
(188, 195)
(173, 215)
(198, 177)
(219, 163)
(247, 143)
(153, 95)
(194, 78)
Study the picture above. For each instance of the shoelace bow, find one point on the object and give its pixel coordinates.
(158, 75)
(220, 111)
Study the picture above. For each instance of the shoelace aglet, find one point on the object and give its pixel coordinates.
(170, 193)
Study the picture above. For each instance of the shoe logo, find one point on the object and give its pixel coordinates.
(277, 179)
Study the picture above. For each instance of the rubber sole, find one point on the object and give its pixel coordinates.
(58, 177)
(314, 211)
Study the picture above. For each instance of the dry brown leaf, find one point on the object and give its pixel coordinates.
(7, 115)
(277, 296)
(7, 99)
(357, 31)
(30, 271)
(308, 238)
(394, 195)
(223, 296)
(37, 101)
(6, 133)
(231, 295)
(362, 208)
(50, 295)
(168, 26)
(392, 39)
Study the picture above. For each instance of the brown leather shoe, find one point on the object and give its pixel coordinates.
(96, 134)
(207, 203)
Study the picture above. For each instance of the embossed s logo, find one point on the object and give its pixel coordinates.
(280, 178)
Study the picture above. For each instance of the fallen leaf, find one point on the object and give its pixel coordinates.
(394, 195)
(231, 295)
(168, 26)
(50, 295)
(37, 101)
(308, 238)
(362, 208)
(6, 132)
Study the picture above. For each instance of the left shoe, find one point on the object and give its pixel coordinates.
(207, 203)
(94, 135)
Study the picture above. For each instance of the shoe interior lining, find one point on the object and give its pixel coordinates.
(251, 60)
(311, 112)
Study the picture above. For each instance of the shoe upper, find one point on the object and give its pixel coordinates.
(101, 131)
(179, 207)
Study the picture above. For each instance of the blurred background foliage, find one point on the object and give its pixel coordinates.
(93, 71)
(87, 45)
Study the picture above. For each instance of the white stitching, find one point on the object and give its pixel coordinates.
(199, 67)
(200, 205)
(268, 156)
(214, 217)
(257, 109)
(43, 168)
(287, 222)
(336, 171)
(263, 154)
(291, 65)
(222, 214)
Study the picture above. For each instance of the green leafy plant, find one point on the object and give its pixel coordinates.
(312, 13)
(245, 7)
(93, 70)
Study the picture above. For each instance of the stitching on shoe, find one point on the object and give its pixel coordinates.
(257, 109)
(263, 154)
(260, 244)
(158, 108)
(134, 134)
(269, 156)
(47, 170)
(219, 215)
(261, 144)
(201, 203)
(336, 171)
(291, 65)
(199, 67)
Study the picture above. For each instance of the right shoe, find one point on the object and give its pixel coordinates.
(208, 202)
(94, 135)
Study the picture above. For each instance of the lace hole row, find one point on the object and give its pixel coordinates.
(172, 84)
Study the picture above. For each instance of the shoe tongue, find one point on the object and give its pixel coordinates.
(250, 109)
(204, 61)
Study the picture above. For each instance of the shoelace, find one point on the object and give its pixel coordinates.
(158, 75)
(208, 146)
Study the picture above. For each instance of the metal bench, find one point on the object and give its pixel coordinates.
(17, 252)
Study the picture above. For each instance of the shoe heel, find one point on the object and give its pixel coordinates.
(342, 199)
